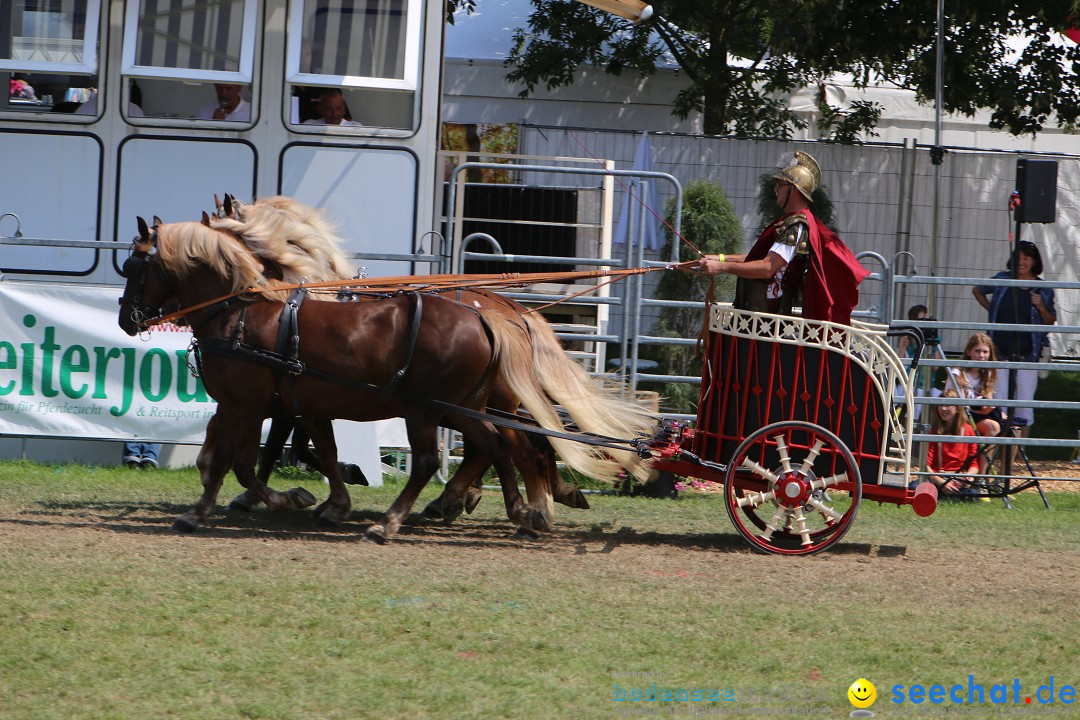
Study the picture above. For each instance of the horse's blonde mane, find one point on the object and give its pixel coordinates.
(180, 246)
(296, 237)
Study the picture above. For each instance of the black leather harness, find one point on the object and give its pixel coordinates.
(285, 360)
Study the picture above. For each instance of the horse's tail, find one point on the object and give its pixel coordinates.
(534, 364)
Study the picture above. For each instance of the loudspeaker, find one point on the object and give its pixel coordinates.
(1036, 180)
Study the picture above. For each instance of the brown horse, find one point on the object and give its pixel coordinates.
(348, 354)
(300, 243)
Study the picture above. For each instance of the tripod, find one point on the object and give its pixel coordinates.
(1006, 467)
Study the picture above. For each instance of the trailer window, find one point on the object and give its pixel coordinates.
(359, 43)
(353, 59)
(49, 36)
(191, 40)
(48, 54)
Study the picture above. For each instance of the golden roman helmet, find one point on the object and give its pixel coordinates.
(803, 173)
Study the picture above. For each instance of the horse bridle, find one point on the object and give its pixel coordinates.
(140, 263)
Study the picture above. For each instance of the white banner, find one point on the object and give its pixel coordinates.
(68, 370)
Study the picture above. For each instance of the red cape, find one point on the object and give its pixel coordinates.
(831, 283)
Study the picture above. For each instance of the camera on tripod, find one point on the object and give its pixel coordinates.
(931, 336)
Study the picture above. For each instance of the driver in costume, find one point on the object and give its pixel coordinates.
(797, 260)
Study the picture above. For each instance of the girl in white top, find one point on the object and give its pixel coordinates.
(981, 383)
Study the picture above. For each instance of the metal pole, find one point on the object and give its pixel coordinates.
(903, 234)
(936, 154)
(628, 302)
(638, 281)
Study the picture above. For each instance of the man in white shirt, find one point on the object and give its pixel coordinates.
(229, 106)
(332, 110)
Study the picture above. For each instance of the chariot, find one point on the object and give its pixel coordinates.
(800, 421)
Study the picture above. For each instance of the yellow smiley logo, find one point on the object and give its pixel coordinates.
(862, 693)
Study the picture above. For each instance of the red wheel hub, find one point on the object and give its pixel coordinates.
(792, 490)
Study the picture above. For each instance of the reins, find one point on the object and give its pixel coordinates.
(423, 283)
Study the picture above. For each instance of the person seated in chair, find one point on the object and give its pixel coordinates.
(332, 110)
(981, 383)
(952, 460)
(229, 106)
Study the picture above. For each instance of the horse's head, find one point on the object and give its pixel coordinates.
(229, 207)
(147, 287)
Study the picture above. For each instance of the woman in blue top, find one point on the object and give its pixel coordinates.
(1020, 306)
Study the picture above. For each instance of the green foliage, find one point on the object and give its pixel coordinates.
(710, 223)
(452, 6)
(742, 59)
(1053, 422)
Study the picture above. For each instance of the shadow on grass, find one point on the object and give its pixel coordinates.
(155, 518)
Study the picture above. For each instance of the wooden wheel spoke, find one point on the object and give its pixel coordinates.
(782, 450)
(831, 516)
(777, 523)
(756, 499)
(761, 471)
(831, 481)
(811, 456)
(799, 526)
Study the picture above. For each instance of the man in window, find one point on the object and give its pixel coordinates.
(229, 106)
(332, 110)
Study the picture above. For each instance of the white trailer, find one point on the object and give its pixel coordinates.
(110, 116)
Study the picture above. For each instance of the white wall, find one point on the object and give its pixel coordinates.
(476, 91)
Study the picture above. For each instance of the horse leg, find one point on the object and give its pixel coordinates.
(300, 447)
(536, 472)
(457, 495)
(500, 447)
(350, 472)
(280, 427)
(247, 442)
(562, 492)
(335, 510)
(424, 440)
(213, 462)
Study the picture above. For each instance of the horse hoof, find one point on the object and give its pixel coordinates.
(472, 499)
(246, 501)
(538, 521)
(237, 505)
(524, 533)
(433, 511)
(326, 521)
(377, 534)
(353, 475)
(184, 525)
(301, 498)
(452, 511)
(577, 500)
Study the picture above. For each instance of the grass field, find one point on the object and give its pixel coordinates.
(108, 614)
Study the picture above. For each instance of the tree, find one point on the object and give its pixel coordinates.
(710, 221)
(452, 6)
(743, 57)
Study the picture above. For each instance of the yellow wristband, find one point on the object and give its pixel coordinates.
(721, 257)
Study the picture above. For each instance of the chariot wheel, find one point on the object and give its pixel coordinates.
(792, 488)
